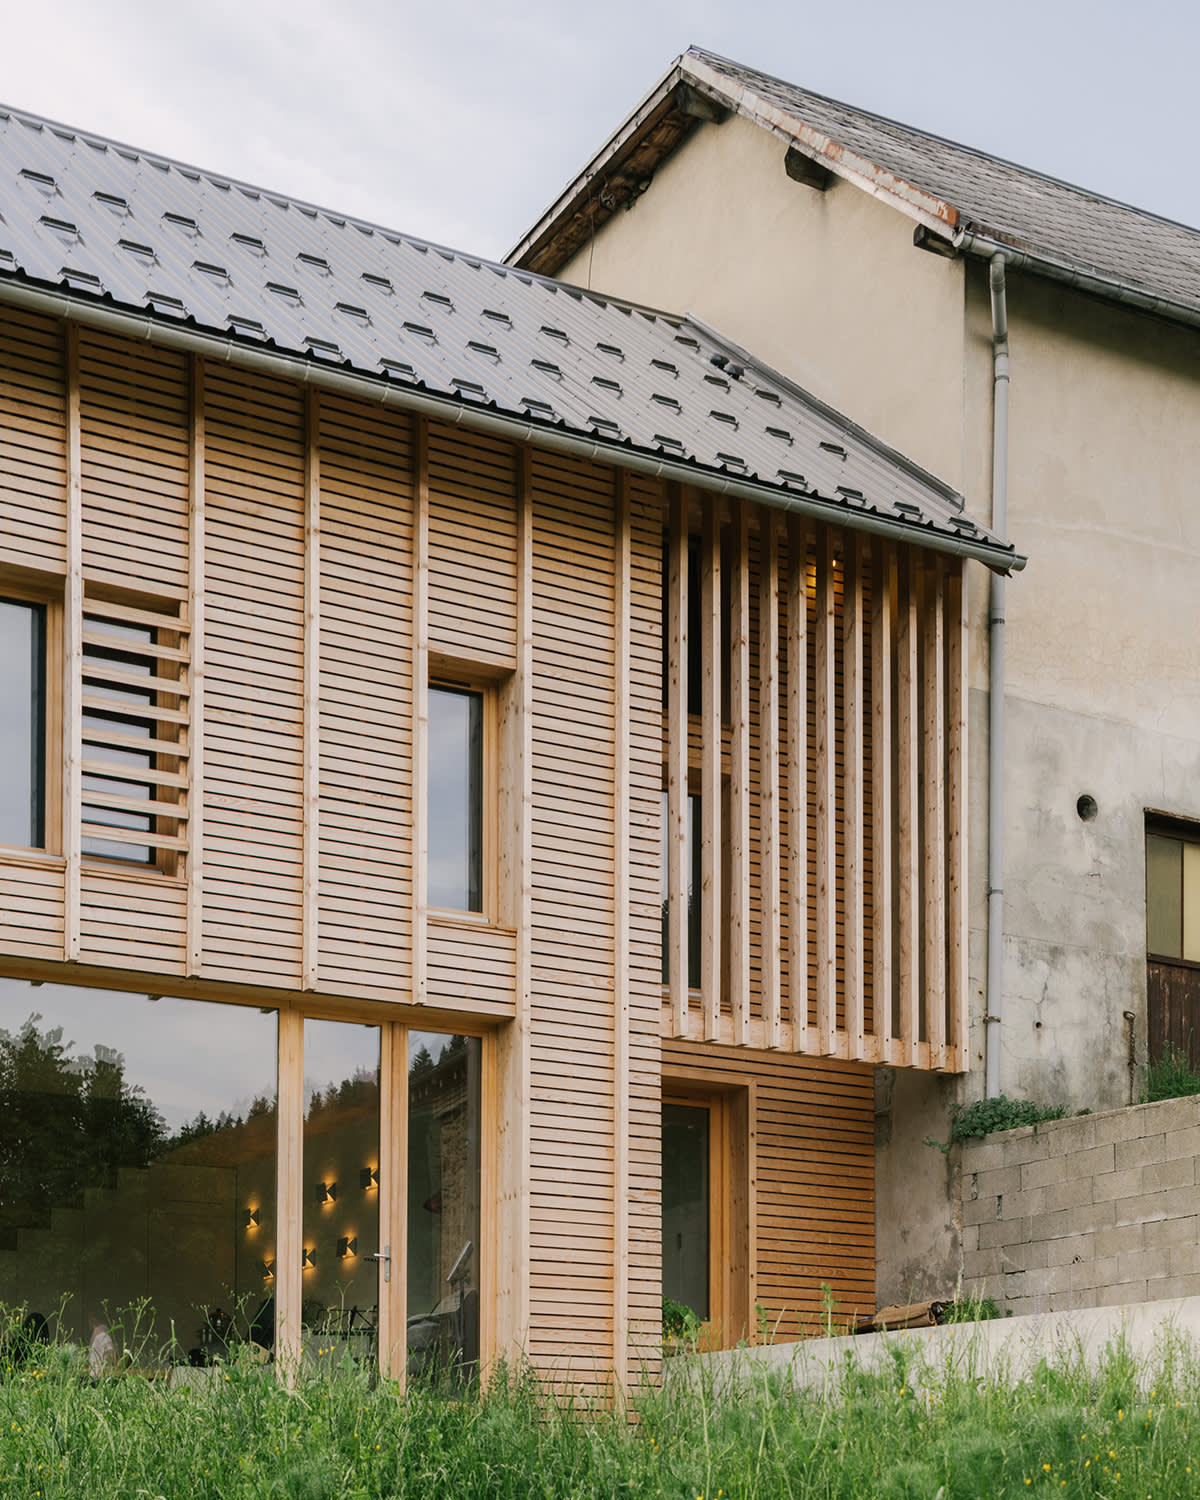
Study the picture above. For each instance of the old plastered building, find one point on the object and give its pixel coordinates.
(485, 784)
(1037, 346)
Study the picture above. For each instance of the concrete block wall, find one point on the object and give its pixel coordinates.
(1086, 1212)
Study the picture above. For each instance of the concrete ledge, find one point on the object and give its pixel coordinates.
(1004, 1347)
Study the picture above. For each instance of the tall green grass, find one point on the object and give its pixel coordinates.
(1127, 1429)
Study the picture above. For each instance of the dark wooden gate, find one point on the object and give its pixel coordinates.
(1173, 1008)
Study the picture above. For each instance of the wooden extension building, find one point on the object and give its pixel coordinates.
(484, 786)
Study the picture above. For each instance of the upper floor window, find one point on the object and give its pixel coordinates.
(23, 723)
(118, 738)
(1173, 896)
(455, 809)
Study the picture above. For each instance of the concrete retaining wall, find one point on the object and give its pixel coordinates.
(1087, 1212)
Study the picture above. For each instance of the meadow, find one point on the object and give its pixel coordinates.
(1124, 1429)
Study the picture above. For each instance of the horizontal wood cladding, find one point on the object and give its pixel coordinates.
(33, 440)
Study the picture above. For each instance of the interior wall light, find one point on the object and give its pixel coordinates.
(368, 1178)
(252, 1218)
(347, 1247)
(267, 1269)
(326, 1192)
(308, 1259)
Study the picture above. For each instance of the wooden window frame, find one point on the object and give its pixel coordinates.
(26, 587)
(468, 678)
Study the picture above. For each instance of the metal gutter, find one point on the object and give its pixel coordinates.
(1111, 288)
(999, 518)
(228, 350)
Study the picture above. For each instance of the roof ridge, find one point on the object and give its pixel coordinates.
(945, 140)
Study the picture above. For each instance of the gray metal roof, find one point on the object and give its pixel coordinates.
(105, 232)
(977, 192)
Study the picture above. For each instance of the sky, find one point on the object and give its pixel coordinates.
(460, 122)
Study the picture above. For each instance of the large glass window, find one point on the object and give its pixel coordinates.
(340, 1278)
(1173, 897)
(686, 1171)
(137, 1171)
(22, 723)
(455, 799)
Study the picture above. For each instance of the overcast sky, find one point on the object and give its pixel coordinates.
(459, 122)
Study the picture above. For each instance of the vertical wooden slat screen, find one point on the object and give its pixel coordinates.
(883, 587)
(73, 658)
(797, 757)
(310, 919)
(853, 974)
(908, 893)
(711, 915)
(933, 811)
(622, 704)
(420, 717)
(956, 813)
(768, 774)
(739, 778)
(677, 767)
(196, 614)
(825, 710)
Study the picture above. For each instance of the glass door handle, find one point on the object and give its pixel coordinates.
(384, 1256)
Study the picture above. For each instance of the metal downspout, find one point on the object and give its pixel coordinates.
(995, 940)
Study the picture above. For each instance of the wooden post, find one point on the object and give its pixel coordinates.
(420, 716)
(677, 761)
(825, 709)
(196, 626)
(311, 909)
(956, 721)
(289, 1195)
(739, 779)
(933, 790)
(768, 774)
(711, 914)
(72, 666)
(392, 1340)
(853, 971)
(622, 645)
(883, 586)
(797, 731)
(908, 801)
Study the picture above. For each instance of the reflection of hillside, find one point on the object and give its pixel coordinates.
(227, 1146)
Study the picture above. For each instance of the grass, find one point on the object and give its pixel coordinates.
(1171, 1077)
(1126, 1430)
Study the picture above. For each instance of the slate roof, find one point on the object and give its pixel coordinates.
(956, 192)
(98, 229)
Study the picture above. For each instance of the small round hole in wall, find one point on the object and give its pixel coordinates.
(1086, 807)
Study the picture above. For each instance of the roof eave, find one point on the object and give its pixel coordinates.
(227, 349)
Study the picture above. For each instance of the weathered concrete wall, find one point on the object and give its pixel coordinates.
(1086, 1212)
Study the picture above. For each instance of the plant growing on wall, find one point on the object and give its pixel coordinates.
(1171, 1077)
(970, 1121)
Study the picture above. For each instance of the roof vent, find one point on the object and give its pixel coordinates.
(835, 448)
(555, 333)
(249, 242)
(281, 289)
(218, 273)
(547, 367)
(961, 523)
(668, 401)
(672, 445)
(181, 221)
(82, 281)
(143, 252)
(421, 331)
(789, 476)
(732, 461)
(771, 396)
(718, 380)
(605, 427)
(112, 202)
(317, 262)
(606, 384)
(381, 282)
(323, 348)
(397, 369)
(62, 227)
(160, 302)
(781, 433)
(665, 364)
(352, 310)
(497, 317)
(850, 494)
(439, 299)
(249, 328)
(613, 349)
(539, 408)
(724, 416)
(40, 180)
(907, 507)
(470, 388)
(480, 347)
(687, 341)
